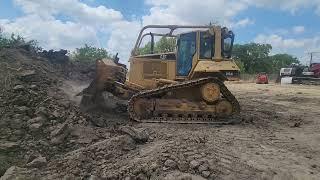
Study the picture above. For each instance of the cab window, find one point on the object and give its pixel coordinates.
(186, 51)
(227, 43)
(206, 45)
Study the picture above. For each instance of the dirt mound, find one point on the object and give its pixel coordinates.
(32, 107)
(55, 56)
(43, 130)
(37, 118)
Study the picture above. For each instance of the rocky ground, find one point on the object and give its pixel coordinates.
(43, 134)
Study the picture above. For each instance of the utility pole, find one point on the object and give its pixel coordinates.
(311, 56)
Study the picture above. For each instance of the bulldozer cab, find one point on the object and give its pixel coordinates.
(203, 51)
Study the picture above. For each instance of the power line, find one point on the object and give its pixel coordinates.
(312, 55)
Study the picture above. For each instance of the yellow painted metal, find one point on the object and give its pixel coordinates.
(145, 69)
(144, 72)
(217, 44)
(214, 66)
(172, 71)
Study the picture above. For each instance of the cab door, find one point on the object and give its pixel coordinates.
(185, 52)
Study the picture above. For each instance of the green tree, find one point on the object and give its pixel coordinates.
(240, 65)
(146, 49)
(165, 44)
(89, 54)
(255, 57)
(282, 60)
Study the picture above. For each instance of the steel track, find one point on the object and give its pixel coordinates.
(214, 118)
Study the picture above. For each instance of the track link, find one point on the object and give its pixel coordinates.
(205, 119)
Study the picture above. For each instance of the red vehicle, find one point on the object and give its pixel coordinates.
(262, 78)
(315, 68)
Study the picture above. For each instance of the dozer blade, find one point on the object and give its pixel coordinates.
(109, 81)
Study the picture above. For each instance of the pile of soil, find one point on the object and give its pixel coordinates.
(37, 118)
(34, 112)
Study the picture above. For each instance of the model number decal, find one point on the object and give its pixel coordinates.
(163, 56)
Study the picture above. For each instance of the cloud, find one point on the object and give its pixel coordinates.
(75, 9)
(298, 29)
(221, 11)
(242, 23)
(87, 24)
(122, 38)
(279, 42)
(192, 12)
(95, 25)
(51, 34)
(295, 30)
(84, 25)
(287, 5)
(295, 46)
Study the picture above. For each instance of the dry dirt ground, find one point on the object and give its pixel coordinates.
(278, 139)
(44, 135)
(284, 136)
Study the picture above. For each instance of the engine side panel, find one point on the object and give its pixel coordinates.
(144, 71)
(209, 68)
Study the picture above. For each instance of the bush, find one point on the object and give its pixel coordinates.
(15, 41)
(89, 54)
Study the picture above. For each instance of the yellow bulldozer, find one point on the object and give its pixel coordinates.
(184, 86)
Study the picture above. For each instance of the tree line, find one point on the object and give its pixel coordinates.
(254, 58)
(251, 58)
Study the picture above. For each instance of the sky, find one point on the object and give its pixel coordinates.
(290, 26)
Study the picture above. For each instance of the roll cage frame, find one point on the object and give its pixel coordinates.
(172, 28)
